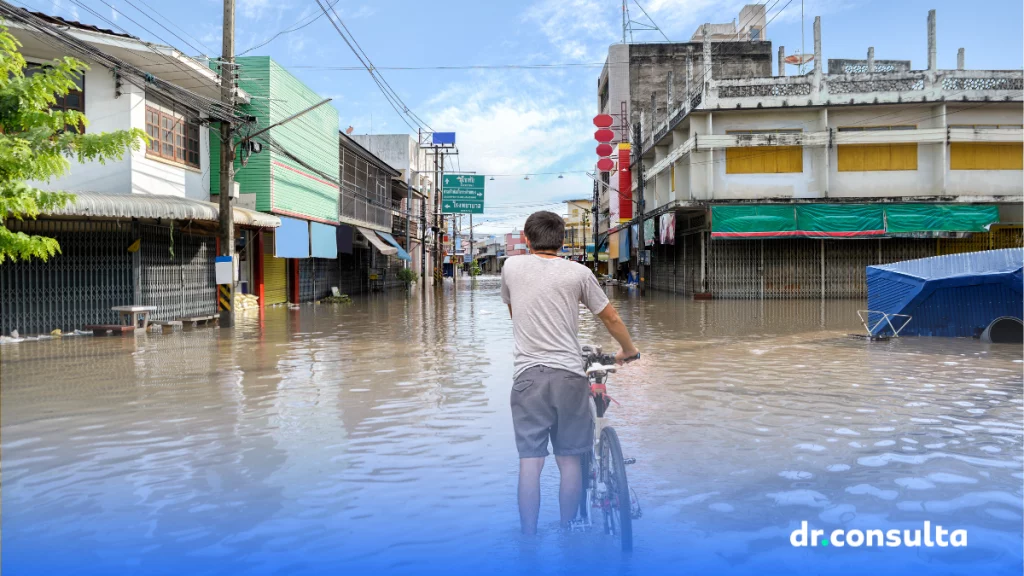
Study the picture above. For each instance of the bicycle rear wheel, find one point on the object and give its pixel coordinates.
(587, 477)
(617, 517)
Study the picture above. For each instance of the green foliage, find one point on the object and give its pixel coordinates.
(35, 144)
(474, 269)
(408, 275)
(340, 299)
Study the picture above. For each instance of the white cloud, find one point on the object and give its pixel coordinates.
(254, 9)
(113, 14)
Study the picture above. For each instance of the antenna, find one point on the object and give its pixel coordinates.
(629, 25)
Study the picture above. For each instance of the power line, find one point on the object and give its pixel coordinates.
(295, 27)
(393, 99)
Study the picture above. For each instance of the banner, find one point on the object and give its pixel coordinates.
(649, 232)
(668, 228)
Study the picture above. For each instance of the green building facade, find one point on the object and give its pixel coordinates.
(302, 186)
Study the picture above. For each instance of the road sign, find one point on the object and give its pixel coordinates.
(462, 194)
(461, 207)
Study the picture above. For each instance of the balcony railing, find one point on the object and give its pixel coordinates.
(400, 225)
(360, 211)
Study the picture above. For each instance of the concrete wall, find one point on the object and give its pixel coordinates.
(983, 182)
(105, 114)
(651, 63)
(745, 186)
(925, 181)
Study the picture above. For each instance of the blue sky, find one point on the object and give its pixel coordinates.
(514, 121)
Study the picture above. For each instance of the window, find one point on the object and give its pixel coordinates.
(74, 100)
(172, 137)
(755, 34)
(986, 155)
(764, 159)
(876, 157)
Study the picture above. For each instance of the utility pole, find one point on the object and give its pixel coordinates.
(472, 252)
(227, 156)
(640, 207)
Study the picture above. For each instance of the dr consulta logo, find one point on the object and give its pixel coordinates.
(893, 538)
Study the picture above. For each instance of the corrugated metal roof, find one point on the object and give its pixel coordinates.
(74, 24)
(157, 206)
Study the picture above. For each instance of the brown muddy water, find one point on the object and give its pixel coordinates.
(377, 434)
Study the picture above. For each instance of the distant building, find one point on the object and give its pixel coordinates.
(579, 230)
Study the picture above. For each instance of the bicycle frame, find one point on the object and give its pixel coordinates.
(597, 377)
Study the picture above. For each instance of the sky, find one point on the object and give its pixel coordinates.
(514, 121)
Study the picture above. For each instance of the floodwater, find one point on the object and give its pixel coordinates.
(376, 437)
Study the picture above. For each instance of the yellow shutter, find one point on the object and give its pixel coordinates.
(275, 276)
(986, 156)
(672, 176)
(764, 160)
(876, 157)
(613, 245)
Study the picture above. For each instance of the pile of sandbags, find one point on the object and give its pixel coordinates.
(247, 302)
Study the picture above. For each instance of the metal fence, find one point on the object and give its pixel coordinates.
(178, 274)
(316, 277)
(79, 286)
(794, 268)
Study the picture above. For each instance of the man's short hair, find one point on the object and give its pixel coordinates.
(545, 231)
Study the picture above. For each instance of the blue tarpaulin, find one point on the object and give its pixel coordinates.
(952, 295)
(324, 240)
(624, 244)
(402, 254)
(291, 240)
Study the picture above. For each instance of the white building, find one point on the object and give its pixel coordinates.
(176, 163)
(943, 146)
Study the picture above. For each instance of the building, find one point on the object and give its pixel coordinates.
(293, 176)
(644, 81)
(372, 197)
(416, 169)
(780, 186)
(579, 230)
(141, 231)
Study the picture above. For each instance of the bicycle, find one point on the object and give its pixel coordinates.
(605, 486)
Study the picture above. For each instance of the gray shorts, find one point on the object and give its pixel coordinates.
(551, 402)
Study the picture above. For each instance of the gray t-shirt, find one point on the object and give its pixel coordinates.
(545, 294)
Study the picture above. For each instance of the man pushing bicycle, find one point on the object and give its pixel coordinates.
(550, 390)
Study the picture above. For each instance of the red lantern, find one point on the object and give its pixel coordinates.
(603, 120)
(604, 149)
(605, 164)
(604, 135)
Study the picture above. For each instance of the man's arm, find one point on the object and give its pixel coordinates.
(617, 328)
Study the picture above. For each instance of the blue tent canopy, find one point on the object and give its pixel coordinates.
(402, 254)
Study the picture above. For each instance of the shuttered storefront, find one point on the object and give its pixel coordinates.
(275, 278)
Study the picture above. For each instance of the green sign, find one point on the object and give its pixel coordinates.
(462, 194)
(461, 206)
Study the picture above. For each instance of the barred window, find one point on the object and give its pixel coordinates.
(74, 100)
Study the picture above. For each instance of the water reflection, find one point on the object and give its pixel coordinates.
(377, 435)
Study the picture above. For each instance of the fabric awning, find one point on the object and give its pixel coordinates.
(323, 240)
(915, 218)
(379, 244)
(153, 206)
(291, 239)
(402, 254)
(848, 220)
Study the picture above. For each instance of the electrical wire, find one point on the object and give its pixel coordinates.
(295, 27)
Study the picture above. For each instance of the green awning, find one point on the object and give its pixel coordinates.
(847, 220)
(753, 221)
(840, 220)
(915, 218)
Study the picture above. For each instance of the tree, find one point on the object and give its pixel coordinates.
(36, 142)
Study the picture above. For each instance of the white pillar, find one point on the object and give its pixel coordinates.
(931, 41)
(871, 60)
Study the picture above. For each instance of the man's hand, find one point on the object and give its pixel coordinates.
(623, 355)
(617, 329)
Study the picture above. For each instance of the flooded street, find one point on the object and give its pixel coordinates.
(378, 436)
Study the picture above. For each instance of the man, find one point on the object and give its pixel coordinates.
(550, 389)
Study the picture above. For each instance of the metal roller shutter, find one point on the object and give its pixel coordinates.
(275, 278)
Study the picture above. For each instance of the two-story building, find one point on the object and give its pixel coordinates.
(141, 230)
(789, 186)
(579, 231)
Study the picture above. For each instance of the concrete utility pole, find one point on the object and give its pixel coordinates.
(640, 210)
(227, 155)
